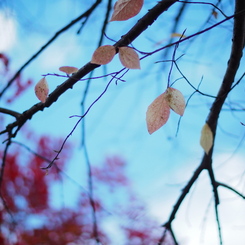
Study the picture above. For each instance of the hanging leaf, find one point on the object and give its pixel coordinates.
(103, 55)
(126, 9)
(206, 140)
(176, 100)
(42, 90)
(129, 58)
(157, 113)
(68, 69)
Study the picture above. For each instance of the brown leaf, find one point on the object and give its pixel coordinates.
(129, 58)
(42, 90)
(126, 9)
(157, 113)
(103, 55)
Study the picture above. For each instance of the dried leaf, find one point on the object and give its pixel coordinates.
(103, 55)
(176, 100)
(206, 140)
(68, 69)
(215, 14)
(157, 113)
(42, 90)
(126, 9)
(129, 58)
(177, 35)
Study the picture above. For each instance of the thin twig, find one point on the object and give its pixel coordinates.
(205, 3)
(77, 123)
(89, 170)
(231, 189)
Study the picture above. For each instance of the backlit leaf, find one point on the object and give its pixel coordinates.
(68, 69)
(129, 58)
(42, 90)
(126, 9)
(206, 140)
(176, 100)
(103, 55)
(157, 113)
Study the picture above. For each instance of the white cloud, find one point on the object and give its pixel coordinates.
(60, 53)
(7, 31)
(195, 221)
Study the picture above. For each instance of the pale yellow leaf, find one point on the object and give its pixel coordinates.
(176, 100)
(42, 90)
(206, 140)
(126, 9)
(129, 58)
(68, 69)
(157, 113)
(103, 55)
(177, 35)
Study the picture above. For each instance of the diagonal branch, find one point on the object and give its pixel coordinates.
(136, 30)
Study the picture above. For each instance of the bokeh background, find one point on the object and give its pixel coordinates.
(159, 165)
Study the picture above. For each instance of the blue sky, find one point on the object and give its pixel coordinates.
(159, 164)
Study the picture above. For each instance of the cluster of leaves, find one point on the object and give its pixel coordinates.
(159, 110)
(128, 57)
(123, 10)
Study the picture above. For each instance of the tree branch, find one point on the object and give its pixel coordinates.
(212, 119)
(136, 30)
(233, 65)
(10, 112)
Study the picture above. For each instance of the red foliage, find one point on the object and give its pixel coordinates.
(111, 173)
(141, 229)
(5, 61)
(19, 85)
(26, 191)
